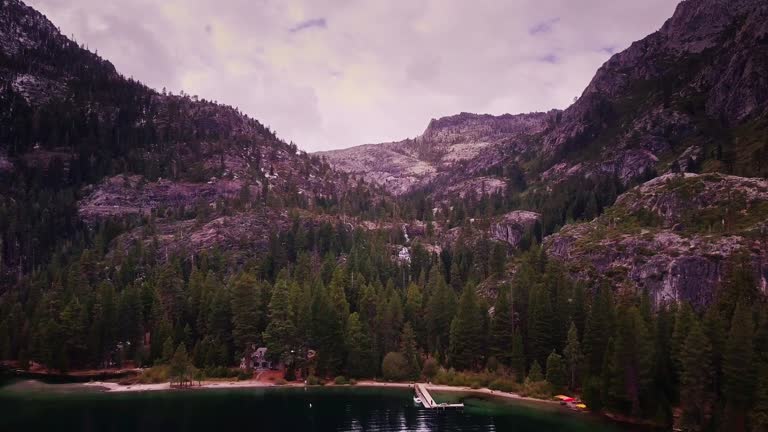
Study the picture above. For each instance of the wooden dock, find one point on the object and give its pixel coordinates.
(428, 402)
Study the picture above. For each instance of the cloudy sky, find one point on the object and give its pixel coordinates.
(336, 73)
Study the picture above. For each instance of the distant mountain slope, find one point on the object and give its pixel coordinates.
(466, 140)
(692, 96)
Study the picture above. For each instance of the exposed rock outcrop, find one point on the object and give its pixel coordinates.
(511, 227)
(672, 236)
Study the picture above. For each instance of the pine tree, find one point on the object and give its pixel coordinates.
(360, 359)
(168, 349)
(441, 308)
(179, 366)
(696, 395)
(280, 334)
(517, 360)
(245, 311)
(535, 374)
(573, 355)
(465, 333)
(502, 328)
(540, 324)
(738, 372)
(410, 351)
(556, 373)
(599, 328)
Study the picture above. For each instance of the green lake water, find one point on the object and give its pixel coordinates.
(29, 406)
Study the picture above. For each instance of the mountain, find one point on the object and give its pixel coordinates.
(82, 146)
(471, 141)
(691, 96)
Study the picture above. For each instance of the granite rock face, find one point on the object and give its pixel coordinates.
(462, 145)
(511, 227)
(672, 236)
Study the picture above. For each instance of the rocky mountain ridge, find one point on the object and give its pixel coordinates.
(692, 95)
(472, 141)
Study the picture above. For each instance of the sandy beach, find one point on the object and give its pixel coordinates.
(118, 388)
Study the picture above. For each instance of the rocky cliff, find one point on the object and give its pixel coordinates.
(673, 236)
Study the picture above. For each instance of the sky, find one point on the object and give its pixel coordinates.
(329, 74)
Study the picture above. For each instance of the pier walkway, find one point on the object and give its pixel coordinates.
(428, 402)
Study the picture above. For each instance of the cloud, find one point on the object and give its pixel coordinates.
(379, 73)
(549, 58)
(308, 24)
(543, 26)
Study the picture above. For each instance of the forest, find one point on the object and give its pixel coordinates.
(340, 294)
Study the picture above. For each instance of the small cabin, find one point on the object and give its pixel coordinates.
(256, 360)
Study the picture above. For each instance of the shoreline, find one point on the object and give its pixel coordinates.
(113, 387)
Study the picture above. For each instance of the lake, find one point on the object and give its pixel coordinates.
(27, 406)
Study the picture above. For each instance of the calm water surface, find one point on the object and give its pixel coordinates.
(37, 407)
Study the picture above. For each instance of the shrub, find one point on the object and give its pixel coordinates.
(504, 384)
(154, 375)
(313, 380)
(280, 382)
(352, 381)
(430, 369)
(340, 380)
(394, 367)
(536, 389)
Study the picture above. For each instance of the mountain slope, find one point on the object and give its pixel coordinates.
(81, 147)
(470, 141)
(693, 96)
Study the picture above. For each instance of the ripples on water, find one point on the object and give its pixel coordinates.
(285, 409)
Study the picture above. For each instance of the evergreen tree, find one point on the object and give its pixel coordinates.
(280, 334)
(360, 357)
(696, 395)
(465, 334)
(517, 360)
(410, 351)
(179, 366)
(598, 329)
(245, 311)
(441, 308)
(540, 324)
(556, 373)
(573, 356)
(738, 372)
(535, 374)
(502, 328)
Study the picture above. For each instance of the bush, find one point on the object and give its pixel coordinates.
(430, 369)
(340, 380)
(476, 385)
(504, 384)
(352, 381)
(394, 367)
(244, 375)
(280, 382)
(536, 389)
(313, 380)
(154, 375)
